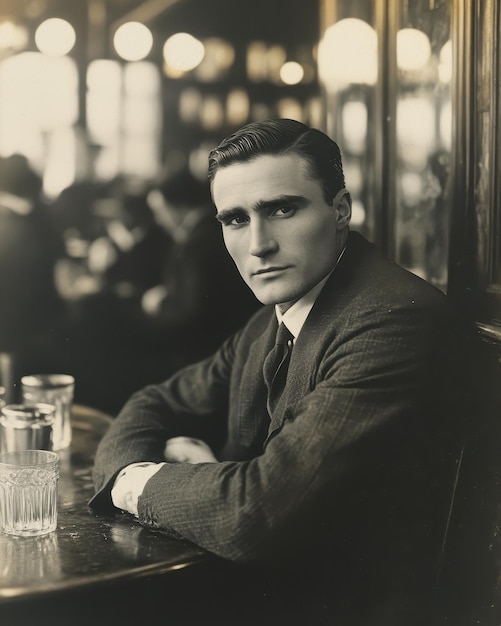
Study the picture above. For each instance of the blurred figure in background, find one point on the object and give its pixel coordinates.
(201, 298)
(114, 251)
(30, 307)
(131, 253)
(147, 284)
(77, 216)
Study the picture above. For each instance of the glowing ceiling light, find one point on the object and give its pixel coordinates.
(413, 49)
(55, 37)
(182, 52)
(291, 73)
(347, 54)
(133, 41)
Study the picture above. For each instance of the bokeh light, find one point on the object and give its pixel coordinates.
(237, 106)
(416, 131)
(290, 108)
(347, 54)
(291, 73)
(190, 103)
(55, 37)
(133, 41)
(413, 49)
(182, 52)
(12, 36)
(218, 58)
(355, 118)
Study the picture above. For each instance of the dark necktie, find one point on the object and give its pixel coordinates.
(276, 364)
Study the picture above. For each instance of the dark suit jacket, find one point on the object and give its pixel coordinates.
(350, 479)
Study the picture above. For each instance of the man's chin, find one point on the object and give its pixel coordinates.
(282, 300)
(273, 293)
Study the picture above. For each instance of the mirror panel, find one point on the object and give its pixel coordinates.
(386, 70)
(348, 73)
(423, 138)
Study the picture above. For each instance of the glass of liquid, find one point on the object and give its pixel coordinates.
(28, 492)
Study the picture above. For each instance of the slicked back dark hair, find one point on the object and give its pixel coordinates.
(281, 137)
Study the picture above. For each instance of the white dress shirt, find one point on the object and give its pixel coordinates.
(295, 317)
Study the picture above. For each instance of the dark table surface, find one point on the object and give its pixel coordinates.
(87, 549)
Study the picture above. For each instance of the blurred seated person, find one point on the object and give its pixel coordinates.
(129, 255)
(117, 253)
(113, 255)
(29, 246)
(317, 446)
(200, 299)
(77, 219)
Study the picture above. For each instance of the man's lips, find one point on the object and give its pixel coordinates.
(269, 270)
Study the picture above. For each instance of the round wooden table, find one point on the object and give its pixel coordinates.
(87, 549)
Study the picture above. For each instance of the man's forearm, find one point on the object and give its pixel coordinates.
(130, 482)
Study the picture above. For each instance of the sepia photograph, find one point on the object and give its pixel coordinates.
(250, 312)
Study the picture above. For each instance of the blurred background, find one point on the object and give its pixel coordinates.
(112, 266)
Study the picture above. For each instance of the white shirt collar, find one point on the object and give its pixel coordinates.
(295, 317)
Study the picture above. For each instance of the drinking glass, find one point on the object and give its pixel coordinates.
(26, 427)
(56, 389)
(28, 492)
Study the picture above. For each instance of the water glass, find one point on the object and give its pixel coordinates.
(56, 389)
(26, 427)
(28, 492)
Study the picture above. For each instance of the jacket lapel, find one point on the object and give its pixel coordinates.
(253, 418)
(305, 359)
(316, 336)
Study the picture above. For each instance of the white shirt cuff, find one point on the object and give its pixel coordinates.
(130, 483)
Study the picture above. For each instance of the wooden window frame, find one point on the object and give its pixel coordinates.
(476, 217)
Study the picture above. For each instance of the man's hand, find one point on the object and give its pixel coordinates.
(188, 450)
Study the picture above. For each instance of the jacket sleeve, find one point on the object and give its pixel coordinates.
(194, 402)
(363, 448)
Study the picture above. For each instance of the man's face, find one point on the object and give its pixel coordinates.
(277, 226)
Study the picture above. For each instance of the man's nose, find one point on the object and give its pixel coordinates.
(262, 241)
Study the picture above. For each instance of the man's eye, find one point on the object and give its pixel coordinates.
(235, 220)
(284, 211)
(239, 219)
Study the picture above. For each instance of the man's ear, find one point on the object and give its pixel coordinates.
(342, 204)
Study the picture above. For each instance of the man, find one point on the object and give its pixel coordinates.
(337, 471)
